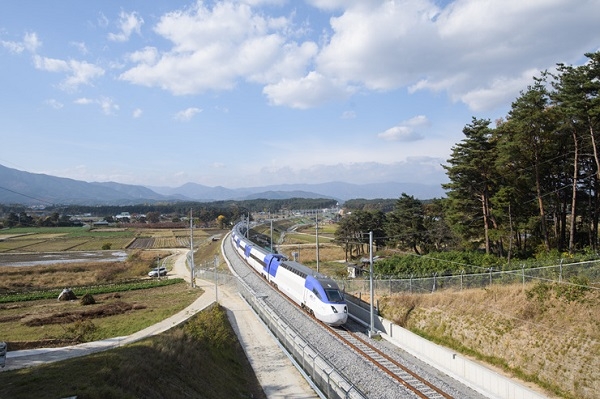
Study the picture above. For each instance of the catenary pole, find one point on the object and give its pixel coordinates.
(372, 331)
(192, 266)
(317, 238)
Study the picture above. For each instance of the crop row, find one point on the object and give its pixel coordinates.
(159, 243)
(93, 290)
(63, 244)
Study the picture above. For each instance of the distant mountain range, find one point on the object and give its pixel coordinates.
(18, 187)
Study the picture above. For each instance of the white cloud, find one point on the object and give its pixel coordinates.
(147, 55)
(102, 20)
(50, 64)
(13, 47)
(409, 130)
(479, 52)
(475, 51)
(137, 113)
(501, 90)
(309, 91)
(78, 72)
(425, 170)
(81, 47)
(107, 105)
(30, 43)
(53, 103)
(83, 101)
(187, 114)
(214, 47)
(128, 24)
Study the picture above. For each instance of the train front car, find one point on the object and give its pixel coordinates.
(313, 291)
(324, 298)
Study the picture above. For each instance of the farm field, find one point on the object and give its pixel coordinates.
(86, 239)
(63, 239)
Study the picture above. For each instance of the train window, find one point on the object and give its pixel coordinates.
(294, 270)
(317, 293)
(334, 295)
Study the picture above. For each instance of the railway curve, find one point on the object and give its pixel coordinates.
(363, 374)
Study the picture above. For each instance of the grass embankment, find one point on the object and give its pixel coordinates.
(201, 359)
(540, 333)
(206, 250)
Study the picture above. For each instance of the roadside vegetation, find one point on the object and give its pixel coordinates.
(540, 333)
(201, 359)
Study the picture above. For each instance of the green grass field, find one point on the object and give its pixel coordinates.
(201, 359)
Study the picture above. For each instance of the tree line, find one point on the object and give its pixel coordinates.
(221, 213)
(527, 186)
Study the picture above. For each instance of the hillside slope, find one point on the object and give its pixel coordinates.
(540, 333)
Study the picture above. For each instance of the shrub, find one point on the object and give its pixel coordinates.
(575, 291)
(87, 299)
(81, 331)
(540, 292)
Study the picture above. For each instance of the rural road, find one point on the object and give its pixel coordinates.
(274, 370)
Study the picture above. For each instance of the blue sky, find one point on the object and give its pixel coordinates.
(257, 92)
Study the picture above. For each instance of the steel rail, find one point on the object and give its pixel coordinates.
(400, 373)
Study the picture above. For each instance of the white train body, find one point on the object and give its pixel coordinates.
(318, 294)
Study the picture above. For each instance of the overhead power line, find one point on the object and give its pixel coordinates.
(25, 195)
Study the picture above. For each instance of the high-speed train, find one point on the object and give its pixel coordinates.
(316, 293)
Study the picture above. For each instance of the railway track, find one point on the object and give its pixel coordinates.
(398, 372)
(395, 379)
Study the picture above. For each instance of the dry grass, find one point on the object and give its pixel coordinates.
(202, 358)
(112, 315)
(553, 343)
(206, 250)
(25, 323)
(19, 279)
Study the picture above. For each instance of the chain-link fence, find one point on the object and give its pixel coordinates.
(584, 274)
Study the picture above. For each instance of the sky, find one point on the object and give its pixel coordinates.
(251, 93)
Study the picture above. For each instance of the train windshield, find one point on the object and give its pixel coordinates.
(334, 295)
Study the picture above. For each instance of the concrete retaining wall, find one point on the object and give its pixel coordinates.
(470, 373)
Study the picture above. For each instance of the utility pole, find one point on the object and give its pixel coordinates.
(372, 330)
(317, 236)
(271, 233)
(216, 279)
(192, 265)
(247, 225)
